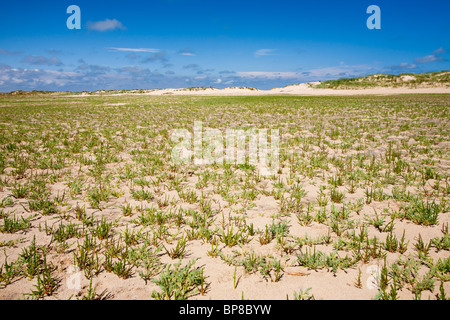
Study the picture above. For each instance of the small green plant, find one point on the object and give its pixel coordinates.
(214, 251)
(303, 218)
(96, 195)
(421, 212)
(271, 268)
(336, 196)
(19, 191)
(235, 278)
(122, 269)
(392, 244)
(151, 265)
(377, 221)
(127, 210)
(356, 206)
(102, 230)
(302, 295)
(91, 294)
(180, 283)
(130, 238)
(266, 236)
(250, 262)
(358, 282)
(86, 256)
(81, 215)
(163, 202)
(231, 238)
(47, 283)
(427, 283)
(76, 186)
(11, 271)
(189, 196)
(442, 243)
(12, 225)
(442, 268)
(312, 260)
(65, 231)
(369, 195)
(6, 202)
(280, 228)
(141, 194)
(322, 199)
(321, 215)
(179, 250)
(422, 249)
(32, 258)
(441, 295)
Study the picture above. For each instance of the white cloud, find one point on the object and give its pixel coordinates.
(152, 50)
(192, 66)
(318, 73)
(11, 53)
(441, 50)
(264, 52)
(40, 60)
(404, 66)
(342, 70)
(267, 75)
(36, 78)
(92, 77)
(105, 25)
(429, 58)
(186, 52)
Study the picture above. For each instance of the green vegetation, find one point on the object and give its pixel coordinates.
(88, 180)
(413, 80)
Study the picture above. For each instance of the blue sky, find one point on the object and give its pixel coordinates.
(181, 43)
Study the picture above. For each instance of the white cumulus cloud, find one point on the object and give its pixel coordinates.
(264, 52)
(105, 25)
(429, 58)
(152, 50)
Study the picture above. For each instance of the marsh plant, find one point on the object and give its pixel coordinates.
(180, 283)
(152, 189)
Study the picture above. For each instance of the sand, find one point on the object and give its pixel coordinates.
(303, 89)
(325, 284)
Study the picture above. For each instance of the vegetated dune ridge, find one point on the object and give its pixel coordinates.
(378, 84)
(304, 89)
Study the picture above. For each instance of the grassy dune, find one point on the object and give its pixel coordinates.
(410, 80)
